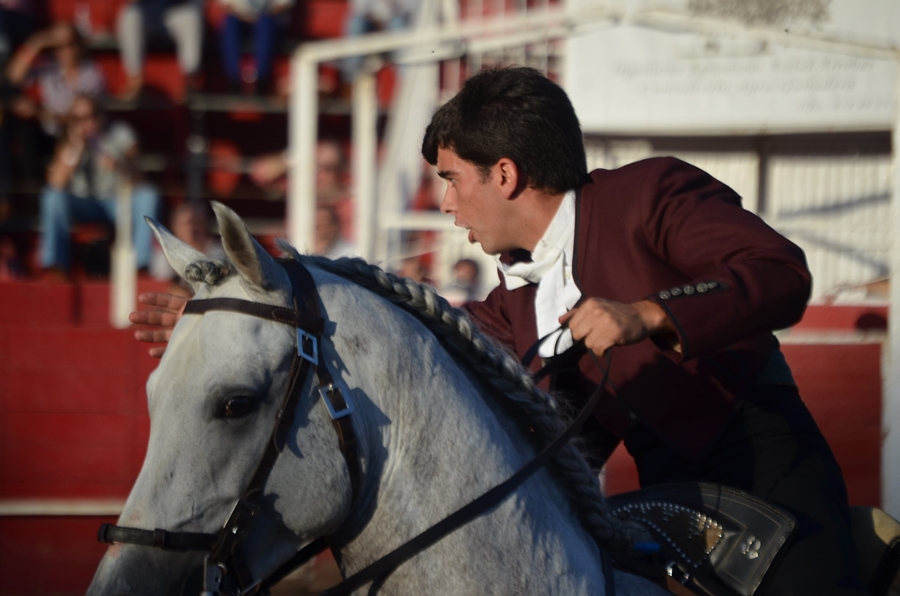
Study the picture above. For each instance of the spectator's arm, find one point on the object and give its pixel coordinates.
(65, 161)
(265, 170)
(24, 58)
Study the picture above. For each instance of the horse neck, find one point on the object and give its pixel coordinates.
(431, 444)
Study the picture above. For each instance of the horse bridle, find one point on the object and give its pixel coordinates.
(224, 561)
(224, 564)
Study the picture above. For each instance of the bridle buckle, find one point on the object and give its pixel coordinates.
(310, 353)
(327, 392)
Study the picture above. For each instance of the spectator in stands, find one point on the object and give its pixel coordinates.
(466, 283)
(329, 240)
(49, 84)
(416, 269)
(189, 223)
(265, 18)
(269, 172)
(93, 162)
(143, 20)
(366, 16)
(69, 73)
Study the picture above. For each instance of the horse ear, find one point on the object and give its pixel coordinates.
(178, 253)
(250, 259)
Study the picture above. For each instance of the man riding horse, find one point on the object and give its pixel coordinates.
(659, 260)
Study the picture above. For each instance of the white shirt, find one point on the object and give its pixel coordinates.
(551, 270)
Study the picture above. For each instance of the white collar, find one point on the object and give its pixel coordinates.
(557, 240)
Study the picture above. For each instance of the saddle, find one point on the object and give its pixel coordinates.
(713, 539)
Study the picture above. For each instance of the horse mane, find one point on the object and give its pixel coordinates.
(502, 371)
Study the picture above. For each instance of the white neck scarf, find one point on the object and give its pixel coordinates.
(551, 269)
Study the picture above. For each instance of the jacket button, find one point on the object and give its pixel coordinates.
(688, 290)
(702, 287)
(712, 285)
(664, 295)
(675, 291)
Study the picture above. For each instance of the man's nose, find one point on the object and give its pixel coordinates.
(447, 205)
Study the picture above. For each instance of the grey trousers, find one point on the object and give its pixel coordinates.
(183, 23)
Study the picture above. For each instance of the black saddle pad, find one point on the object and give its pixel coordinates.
(714, 539)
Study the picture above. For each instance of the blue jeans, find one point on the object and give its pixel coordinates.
(264, 36)
(60, 208)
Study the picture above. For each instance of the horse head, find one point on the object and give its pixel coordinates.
(213, 401)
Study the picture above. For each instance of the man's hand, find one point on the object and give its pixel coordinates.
(162, 319)
(603, 324)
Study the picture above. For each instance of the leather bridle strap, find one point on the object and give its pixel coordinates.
(226, 551)
(380, 570)
(223, 547)
(311, 323)
(180, 541)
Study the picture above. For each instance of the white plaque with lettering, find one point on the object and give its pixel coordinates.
(631, 79)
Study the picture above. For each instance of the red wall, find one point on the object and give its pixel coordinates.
(73, 422)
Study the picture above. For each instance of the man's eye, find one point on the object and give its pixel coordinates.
(238, 407)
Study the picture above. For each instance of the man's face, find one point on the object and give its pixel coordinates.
(478, 205)
(328, 168)
(326, 229)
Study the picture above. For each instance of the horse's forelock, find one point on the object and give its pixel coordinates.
(208, 272)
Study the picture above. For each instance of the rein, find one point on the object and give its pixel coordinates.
(224, 565)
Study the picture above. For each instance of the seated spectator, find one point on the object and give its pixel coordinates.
(93, 162)
(269, 172)
(329, 241)
(466, 283)
(366, 16)
(189, 223)
(52, 66)
(140, 20)
(265, 18)
(68, 73)
(415, 269)
(331, 172)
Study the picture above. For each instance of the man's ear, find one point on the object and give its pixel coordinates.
(511, 182)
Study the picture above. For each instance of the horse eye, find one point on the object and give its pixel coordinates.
(238, 407)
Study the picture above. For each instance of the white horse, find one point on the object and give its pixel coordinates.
(441, 417)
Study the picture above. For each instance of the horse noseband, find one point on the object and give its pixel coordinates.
(223, 560)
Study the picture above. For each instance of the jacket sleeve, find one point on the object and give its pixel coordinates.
(746, 278)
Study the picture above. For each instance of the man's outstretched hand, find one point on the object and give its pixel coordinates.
(160, 320)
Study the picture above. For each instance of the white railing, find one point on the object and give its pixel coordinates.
(424, 53)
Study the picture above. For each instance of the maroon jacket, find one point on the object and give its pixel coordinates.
(665, 230)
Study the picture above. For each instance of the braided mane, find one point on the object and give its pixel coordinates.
(503, 373)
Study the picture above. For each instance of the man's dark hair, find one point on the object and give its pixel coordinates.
(513, 112)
